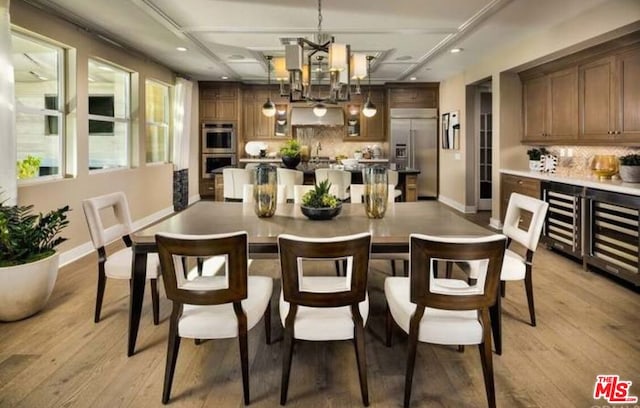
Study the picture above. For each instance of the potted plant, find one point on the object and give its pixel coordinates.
(290, 153)
(630, 168)
(535, 155)
(319, 204)
(29, 167)
(28, 260)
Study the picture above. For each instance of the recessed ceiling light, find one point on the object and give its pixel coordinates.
(455, 50)
(183, 49)
(412, 79)
(404, 58)
(224, 77)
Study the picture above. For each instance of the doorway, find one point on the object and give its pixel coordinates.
(483, 141)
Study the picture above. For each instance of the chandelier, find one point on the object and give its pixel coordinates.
(320, 72)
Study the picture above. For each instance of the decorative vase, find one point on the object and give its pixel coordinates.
(534, 165)
(604, 166)
(25, 289)
(291, 162)
(265, 190)
(630, 174)
(376, 186)
(321, 213)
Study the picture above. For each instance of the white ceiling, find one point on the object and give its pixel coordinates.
(411, 38)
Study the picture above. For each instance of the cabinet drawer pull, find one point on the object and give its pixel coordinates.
(520, 182)
(611, 269)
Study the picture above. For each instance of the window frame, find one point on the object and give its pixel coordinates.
(114, 119)
(60, 113)
(166, 125)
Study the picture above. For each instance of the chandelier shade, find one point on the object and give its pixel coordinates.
(269, 108)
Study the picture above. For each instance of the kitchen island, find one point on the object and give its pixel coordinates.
(407, 180)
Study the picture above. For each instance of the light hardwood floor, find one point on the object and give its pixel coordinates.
(587, 325)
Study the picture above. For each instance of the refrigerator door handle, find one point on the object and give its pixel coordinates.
(413, 148)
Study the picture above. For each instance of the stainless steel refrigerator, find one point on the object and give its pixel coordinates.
(414, 144)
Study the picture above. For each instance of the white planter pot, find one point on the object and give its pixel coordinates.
(630, 174)
(534, 165)
(25, 289)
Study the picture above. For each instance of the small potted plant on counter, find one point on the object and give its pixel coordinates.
(630, 168)
(290, 153)
(28, 260)
(534, 158)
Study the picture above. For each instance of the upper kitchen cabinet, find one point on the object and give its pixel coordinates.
(610, 98)
(361, 128)
(257, 126)
(417, 96)
(550, 106)
(219, 101)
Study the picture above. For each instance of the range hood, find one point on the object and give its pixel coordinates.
(303, 116)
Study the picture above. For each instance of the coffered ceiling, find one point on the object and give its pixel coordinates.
(410, 38)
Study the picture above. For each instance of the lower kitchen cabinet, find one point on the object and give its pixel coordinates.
(516, 184)
(612, 233)
(563, 226)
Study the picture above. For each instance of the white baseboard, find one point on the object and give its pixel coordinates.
(469, 209)
(495, 223)
(85, 249)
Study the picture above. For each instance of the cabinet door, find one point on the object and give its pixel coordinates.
(516, 184)
(248, 131)
(563, 106)
(226, 109)
(628, 129)
(263, 126)
(373, 128)
(535, 94)
(208, 109)
(414, 97)
(597, 102)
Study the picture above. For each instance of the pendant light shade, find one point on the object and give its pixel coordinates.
(319, 110)
(269, 108)
(369, 110)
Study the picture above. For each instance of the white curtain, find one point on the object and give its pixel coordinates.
(183, 91)
(8, 182)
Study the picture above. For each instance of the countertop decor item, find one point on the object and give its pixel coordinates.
(28, 260)
(376, 186)
(604, 166)
(630, 168)
(535, 156)
(265, 190)
(318, 204)
(290, 153)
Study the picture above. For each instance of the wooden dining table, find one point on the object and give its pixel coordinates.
(389, 234)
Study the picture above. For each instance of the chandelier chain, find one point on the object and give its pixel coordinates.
(319, 19)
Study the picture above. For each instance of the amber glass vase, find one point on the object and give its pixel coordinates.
(265, 190)
(376, 185)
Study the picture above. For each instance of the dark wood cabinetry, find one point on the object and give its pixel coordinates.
(551, 107)
(257, 126)
(413, 96)
(588, 98)
(362, 128)
(516, 184)
(219, 101)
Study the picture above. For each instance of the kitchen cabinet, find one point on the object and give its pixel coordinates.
(361, 128)
(416, 96)
(611, 238)
(207, 188)
(219, 101)
(550, 106)
(257, 126)
(516, 184)
(610, 98)
(563, 225)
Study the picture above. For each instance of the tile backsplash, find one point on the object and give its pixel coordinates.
(331, 142)
(576, 160)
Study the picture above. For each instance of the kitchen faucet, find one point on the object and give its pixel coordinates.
(318, 148)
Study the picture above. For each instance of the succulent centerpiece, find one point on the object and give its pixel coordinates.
(319, 204)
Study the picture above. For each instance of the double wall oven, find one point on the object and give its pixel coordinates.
(218, 146)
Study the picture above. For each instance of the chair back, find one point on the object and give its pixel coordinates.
(101, 236)
(392, 177)
(234, 181)
(339, 178)
(352, 248)
(247, 194)
(538, 209)
(205, 290)
(357, 193)
(289, 178)
(429, 291)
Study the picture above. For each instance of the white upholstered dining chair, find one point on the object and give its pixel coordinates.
(117, 265)
(339, 178)
(289, 178)
(234, 181)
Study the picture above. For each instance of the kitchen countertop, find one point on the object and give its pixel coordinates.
(278, 160)
(617, 186)
(312, 169)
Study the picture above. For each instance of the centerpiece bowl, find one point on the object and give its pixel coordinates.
(321, 213)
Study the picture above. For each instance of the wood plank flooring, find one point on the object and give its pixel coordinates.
(587, 325)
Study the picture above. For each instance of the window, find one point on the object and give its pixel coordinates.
(37, 67)
(157, 129)
(109, 116)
